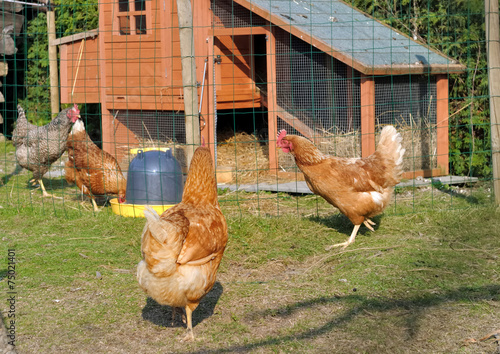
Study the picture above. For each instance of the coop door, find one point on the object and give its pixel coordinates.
(233, 72)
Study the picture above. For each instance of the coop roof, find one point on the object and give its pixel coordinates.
(353, 37)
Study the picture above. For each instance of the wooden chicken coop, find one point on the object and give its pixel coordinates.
(340, 78)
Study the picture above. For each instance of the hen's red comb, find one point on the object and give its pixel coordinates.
(281, 134)
(75, 108)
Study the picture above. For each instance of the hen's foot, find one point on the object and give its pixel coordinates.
(189, 336)
(95, 205)
(45, 194)
(348, 242)
(370, 221)
(343, 245)
(368, 224)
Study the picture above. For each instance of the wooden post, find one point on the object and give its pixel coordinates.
(272, 118)
(442, 148)
(54, 77)
(493, 50)
(186, 38)
(367, 115)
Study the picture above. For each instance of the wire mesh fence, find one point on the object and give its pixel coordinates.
(331, 71)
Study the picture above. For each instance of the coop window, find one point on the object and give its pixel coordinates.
(132, 17)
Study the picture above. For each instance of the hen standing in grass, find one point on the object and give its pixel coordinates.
(182, 248)
(359, 187)
(94, 171)
(37, 148)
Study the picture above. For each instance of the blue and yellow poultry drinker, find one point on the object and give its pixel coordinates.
(154, 178)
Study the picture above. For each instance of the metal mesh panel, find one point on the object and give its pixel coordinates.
(405, 100)
(316, 94)
(164, 126)
(409, 103)
(231, 15)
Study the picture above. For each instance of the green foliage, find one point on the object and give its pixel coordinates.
(37, 101)
(76, 16)
(457, 29)
(71, 17)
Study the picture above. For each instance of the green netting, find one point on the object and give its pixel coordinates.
(261, 67)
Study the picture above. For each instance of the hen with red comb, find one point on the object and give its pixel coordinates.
(359, 187)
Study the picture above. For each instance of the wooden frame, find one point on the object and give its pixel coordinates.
(442, 148)
(367, 115)
(133, 35)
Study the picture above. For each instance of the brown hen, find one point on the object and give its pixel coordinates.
(94, 171)
(183, 247)
(359, 187)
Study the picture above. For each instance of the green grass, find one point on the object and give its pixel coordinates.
(426, 280)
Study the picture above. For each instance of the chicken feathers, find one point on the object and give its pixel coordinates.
(37, 148)
(94, 171)
(182, 248)
(359, 187)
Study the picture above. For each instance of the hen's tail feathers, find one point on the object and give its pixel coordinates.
(154, 224)
(390, 148)
(169, 235)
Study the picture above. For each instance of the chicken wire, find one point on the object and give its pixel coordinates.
(313, 88)
(409, 103)
(162, 126)
(319, 92)
(232, 15)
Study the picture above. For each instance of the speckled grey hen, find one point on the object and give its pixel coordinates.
(37, 148)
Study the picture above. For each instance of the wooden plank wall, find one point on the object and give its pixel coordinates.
(139, 70)
(80, 60)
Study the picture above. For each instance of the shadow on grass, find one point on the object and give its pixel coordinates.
(162, 315)
(412, 310)
(6, 178)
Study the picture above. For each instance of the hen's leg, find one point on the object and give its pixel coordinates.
(348, 242)
(189, 312)
(45, 194)
(174, 311)
(94, 203)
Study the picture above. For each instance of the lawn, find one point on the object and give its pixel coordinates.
(427, 280)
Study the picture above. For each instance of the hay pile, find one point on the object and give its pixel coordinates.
(246, 155)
